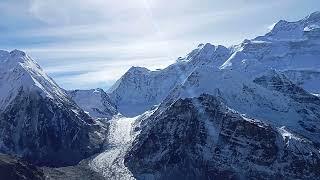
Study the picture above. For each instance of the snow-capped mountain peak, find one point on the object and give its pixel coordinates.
(206, 52)
(38, 121)
(95, 102)
(15, 56)
(20, 72)
(139, 88)
(17, 53)
(293, 31)
(313, 17)
(137, 69)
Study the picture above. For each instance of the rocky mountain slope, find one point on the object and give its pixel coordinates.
(38, 121)
(308, 79)
(272, 98)
(201, 138)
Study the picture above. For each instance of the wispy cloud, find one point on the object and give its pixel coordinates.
(91, 43)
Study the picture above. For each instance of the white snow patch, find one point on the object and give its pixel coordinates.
(318, 95)
(286, 135)
(311, 27)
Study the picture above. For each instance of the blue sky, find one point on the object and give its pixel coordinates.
(86, 44)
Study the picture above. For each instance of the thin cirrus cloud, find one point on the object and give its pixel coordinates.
(91, 43)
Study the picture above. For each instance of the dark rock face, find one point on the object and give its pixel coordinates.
(47, 132)
(200, 138)
(279, 82)
(302, 77)
(307, 105)
(81, 171)
(14, 169)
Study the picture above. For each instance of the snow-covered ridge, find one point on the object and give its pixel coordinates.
(20, 72)
(292, 31)
(139, 88)
(288, 47)
(95, 102)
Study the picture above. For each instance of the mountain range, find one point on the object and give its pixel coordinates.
(248, 111)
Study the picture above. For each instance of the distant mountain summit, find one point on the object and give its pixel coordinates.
(94, 102)
(38, 121)
(139, 89)
(290, 31)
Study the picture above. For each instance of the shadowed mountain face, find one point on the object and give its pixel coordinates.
(201, 138)
(307, 105)
(14, 169)
(46, 133)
